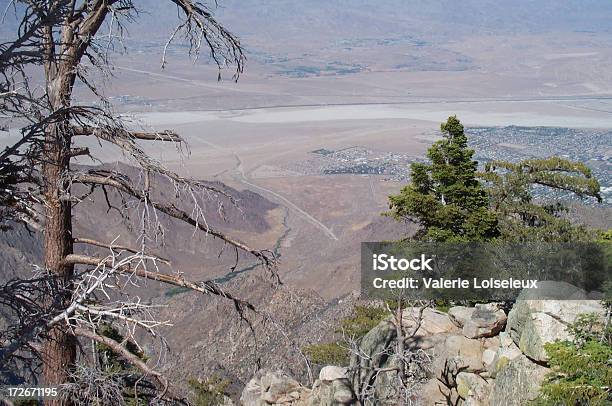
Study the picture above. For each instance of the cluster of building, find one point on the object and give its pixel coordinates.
(357, 161)
(514, 144)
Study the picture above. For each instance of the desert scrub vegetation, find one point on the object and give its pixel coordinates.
(355, 326)
(210, 392)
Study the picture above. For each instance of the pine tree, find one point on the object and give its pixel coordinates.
(522, 217)
(452, 201)
(445, 197)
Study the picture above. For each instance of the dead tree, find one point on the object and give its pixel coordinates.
(391, 363)
(57, 44)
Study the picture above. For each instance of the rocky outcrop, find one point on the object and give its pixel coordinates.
(274, 388)
(533, 323)
(473, 389)
(485, 321)
(431, 322)
(468, 359)
(465, 352)
(333, 388)
(459, 315)
(497, 357)
(517, 383)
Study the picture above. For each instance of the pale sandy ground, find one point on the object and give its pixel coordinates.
(250, 149)
(327, 215)
(553, 113)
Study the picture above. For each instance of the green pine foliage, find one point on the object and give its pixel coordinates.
(452, 201)
(107, 357)
(521, 217)
(136, 386)
(581, 369)
(445, 197)
(335, 353)
(362, 320)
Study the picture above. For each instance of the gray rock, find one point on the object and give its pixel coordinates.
(278, 387)
(541, 328)
(432, 322)
(486, 321)
(332, 373)
(251, 394)
(533, 323)
(342, 392)
(331, 393)
(473, 389)
(488, 356)
(432, 393)
(459, 315)
(372, 350)
(464, 351)
(518, 383)
(553, 290)
(502, 357)
(267, 388)
(505, 340)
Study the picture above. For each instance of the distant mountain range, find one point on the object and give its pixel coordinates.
(446, 17)
(311, 20)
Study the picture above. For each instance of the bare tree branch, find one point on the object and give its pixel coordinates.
(265, 257)
(165, 388)
(113, 247)
(206, 287)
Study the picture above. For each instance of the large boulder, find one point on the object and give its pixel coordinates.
(485, 321)
(332, 388)
(518, 383)
(373, 353)
(375, 365)
(459, 315)
(539, 329)
(332, 373)
(427, 323)
(279, 387)
(251, 394)
(554, 290)
(331, 393)
(533, 323)
(432, 393)
(462, 351)
(273, 388)
(501, 358)
(473, 389)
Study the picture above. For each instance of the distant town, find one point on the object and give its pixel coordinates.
(518, 143)
(511, 144)
(357, 160)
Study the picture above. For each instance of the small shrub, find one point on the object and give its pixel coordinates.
(582, 369)
(362, 320)
(582, 375)
(327, 354)
(211, 392)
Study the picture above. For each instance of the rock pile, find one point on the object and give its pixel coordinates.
(477, 356)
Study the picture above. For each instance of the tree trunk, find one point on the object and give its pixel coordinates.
(401, 345)
(59, 351)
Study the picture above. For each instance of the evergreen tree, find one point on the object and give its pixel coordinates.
(451, 201)
(521, 217)
(445, 197)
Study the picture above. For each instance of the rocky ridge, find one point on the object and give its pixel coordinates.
(478, 356)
